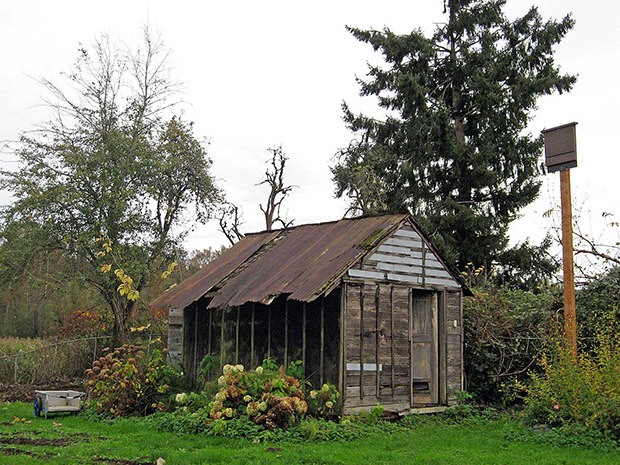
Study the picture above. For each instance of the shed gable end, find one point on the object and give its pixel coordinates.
(405, 257)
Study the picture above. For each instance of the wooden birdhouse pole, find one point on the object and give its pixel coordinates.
(561, 155)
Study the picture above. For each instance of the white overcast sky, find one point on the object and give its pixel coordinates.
(259, 73)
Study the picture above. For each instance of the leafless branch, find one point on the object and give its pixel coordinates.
(274, 178)
(230, 222)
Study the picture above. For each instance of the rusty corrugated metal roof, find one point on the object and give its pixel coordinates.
(301, 262)
(197, 285)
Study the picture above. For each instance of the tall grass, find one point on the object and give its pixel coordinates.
(41, 361)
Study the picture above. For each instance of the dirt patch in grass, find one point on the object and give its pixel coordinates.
(25, 441)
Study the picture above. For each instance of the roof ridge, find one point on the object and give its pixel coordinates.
(321, 223)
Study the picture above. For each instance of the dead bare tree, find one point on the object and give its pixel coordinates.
(274, 178)
(230, 222)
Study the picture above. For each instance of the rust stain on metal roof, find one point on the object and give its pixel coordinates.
(301, 262)
(197, 285)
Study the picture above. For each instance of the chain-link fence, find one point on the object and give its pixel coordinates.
(48, 361)
(37, 361)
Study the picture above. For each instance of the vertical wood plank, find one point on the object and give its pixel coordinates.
(423, 263)
(443, 346)
(462, 335)
(434, 348)
(342, 352)
(285, 334)
(303, 335)
(362, 341)
(237, 337)
(252, 325)
(210, 330)
(269, 331)
(377, 341)
(222, 345)
(195, 368)
(410, 337)
(392, 348)
(322, 348)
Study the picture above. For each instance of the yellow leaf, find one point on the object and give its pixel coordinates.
(133, 295)
(106, 268)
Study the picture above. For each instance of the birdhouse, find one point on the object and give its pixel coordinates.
(560, 147)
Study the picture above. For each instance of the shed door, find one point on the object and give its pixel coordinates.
(424, 353)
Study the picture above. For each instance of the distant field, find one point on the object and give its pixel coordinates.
(74, 439)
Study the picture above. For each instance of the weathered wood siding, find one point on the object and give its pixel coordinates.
(175, 335)
(405, 258)
(376, 345)
(402, 341)
(454, 344)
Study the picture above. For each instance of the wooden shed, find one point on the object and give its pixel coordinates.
(367, 304)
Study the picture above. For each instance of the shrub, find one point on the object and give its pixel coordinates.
(270, 398)
(505, 330)
(132, 379)
(583, 390)
(598, 308)
(324, 402)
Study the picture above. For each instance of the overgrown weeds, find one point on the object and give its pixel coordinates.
(582, 390)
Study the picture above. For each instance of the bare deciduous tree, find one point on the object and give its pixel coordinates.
(230, 222)
(274, 178)
(596, 246)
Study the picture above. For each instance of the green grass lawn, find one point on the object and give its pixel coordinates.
(71, 439)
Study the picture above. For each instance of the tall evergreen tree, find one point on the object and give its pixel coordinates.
(452, 148)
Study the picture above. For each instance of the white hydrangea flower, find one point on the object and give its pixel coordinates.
(259, 370)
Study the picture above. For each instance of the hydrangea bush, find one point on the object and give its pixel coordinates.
(131, 379)
(267, 396)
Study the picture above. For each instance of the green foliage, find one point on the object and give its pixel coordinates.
(296, 369)
(207, 366)
(269, 364)
(132, 379)
(266, 396)
(324, 402)
(269, 398)
(371, 417)
(505, 330)
(598, 308)
(584, 390)
(452, 148)
(113, 164)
